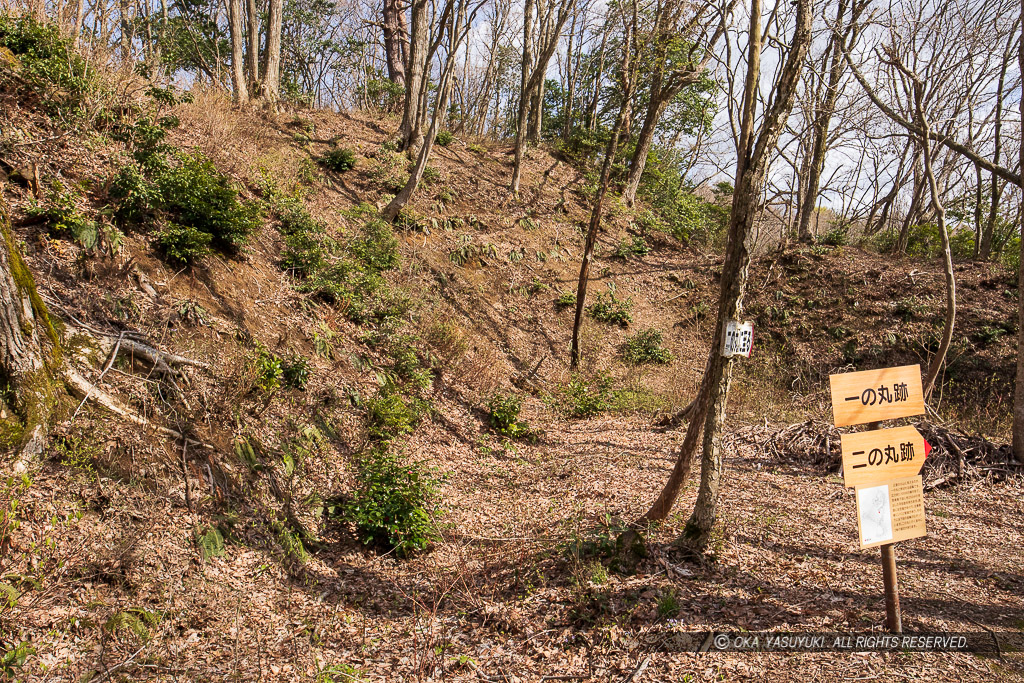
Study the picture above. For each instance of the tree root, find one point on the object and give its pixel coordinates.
(82, 388)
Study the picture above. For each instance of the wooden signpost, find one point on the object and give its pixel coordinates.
(883, 465)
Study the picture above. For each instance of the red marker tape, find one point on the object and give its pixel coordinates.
(927, 448)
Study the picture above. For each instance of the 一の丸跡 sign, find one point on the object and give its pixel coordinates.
(875, 395)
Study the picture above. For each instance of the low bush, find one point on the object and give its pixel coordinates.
(645, 347)
(566, 299)
(47, 63)
(267, 370)
(64, 220)
(607, 308)
(393, 502)
(581, 399)
(637, 246)
(389, 414)
(295, 371)
(444, 138)
(196, 194)
(338, 159)
(183, 244)
(504, 416)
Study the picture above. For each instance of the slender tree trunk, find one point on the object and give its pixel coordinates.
(912, 211)
(655, 108)
(410, 132)
(537, 112)
(1018, 398)
(27, 367)
(940, 215)
(978, 199)
(524, 95)
(394, 34)
(592, 109)
(628, 80)
(750, 178)
(237, 52)
(270, 89)
(252, 57)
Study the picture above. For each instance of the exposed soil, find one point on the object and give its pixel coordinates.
(520, 586)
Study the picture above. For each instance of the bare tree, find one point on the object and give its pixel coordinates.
(755, 144)
(457, 17)
(627, 82)
(678, 58)
(536, 67)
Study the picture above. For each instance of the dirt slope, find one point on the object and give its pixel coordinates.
(114, 585)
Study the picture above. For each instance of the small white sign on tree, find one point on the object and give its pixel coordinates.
(739, 339)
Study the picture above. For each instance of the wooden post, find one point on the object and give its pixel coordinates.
(890, 583)
(893, 621)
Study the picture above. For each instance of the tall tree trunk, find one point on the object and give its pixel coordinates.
(270, 88)
(628, 80)
(751, 168)
(912, 212)
(592, 109)
(252, 56)
(537, 111)
(27, 367)
(1018, 397)
(241, 88)
(524, 94)
(644, 141)
(822, 118)
(410, 132)
(940, 216)
(394, 37)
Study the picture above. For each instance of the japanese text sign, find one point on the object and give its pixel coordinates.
(738, 340)
(880, 455)
(874, 395)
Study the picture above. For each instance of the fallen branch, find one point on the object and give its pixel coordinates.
(84, 389)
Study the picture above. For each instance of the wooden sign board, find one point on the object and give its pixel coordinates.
(874, 395)
(881, 455)
(890, 512)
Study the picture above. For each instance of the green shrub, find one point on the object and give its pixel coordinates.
(566, 299)
(637, 246)
(444, 138)
(580, 399)
(383, 94)
(504, 416)
(645, 347)
(476, 149)
(393, 503)
(836, 237)
(183, 244)
(338, 159)
(430, 176)
(195, 193)
(295, 371)
(146, 138)
(390, 415)
(64, 219)
(607, 308)
(48, 64)
(267, 370)
(137, 198)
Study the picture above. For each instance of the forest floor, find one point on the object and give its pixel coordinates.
(114, 585)
(517, 590)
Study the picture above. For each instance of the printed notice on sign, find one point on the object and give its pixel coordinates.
(890, 512)
(875, 515)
